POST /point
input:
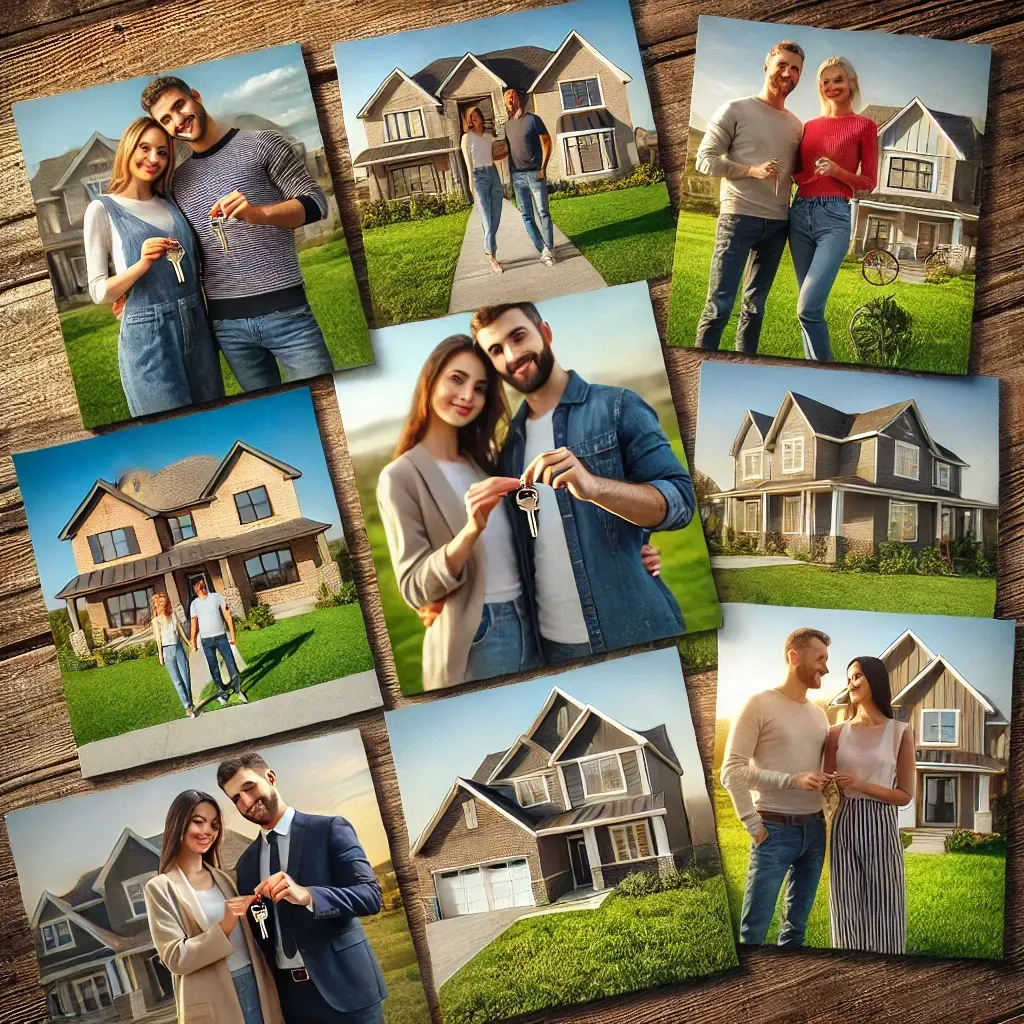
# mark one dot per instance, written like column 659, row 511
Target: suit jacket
column 324, row 855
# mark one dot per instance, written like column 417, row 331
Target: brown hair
column 486, row 315
column 800, row 638
column 159, row 595
column 789, row 47
column 468, row 113
column 121, row 175
column 179, row 814
column 158, row 87
column 227, row 770
column 479, row 439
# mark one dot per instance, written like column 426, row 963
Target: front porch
column 909, row 232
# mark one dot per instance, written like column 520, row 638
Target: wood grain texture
column 49, row 46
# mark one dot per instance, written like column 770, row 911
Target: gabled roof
column 99, row 488
column 290, row 472
column 101, row 878
column 640, row 739
column 880, row 113
column 487, row 765
column 48, row 173
column 536, row 758
column 554, row 694
column 111, row 144
column 364, row 110
column 760, row 421
column 458, row 64
column 112, row 941
column 515, row 66
column 960, row 131
column 575, row 36
column 84, row 890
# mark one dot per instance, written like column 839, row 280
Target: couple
column 496, row 599
column 780, row 755
column 315, row 965
column 757, row 147
column 527, row 145
column 183, row 291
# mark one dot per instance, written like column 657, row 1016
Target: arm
column 545, row 150
column 736, row 775
column 155, row 629
column 225, row 613
column 712, row 152
column 464, row 146
column 831, row 746
column 355, row 892
column 865, row 180
column 181, row 954
column 195, row 632
column 98, row 242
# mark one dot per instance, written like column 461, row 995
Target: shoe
column 190, row 712
column 222, row 699
column 547, row 257
column 242, row 699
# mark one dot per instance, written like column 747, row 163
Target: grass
column 942, row 313
column 301, row 651
column 576, row 956
column 90, row 333
column 388, row 933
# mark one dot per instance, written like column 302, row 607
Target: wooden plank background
column 49, row 46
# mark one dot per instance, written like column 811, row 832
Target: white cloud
column 263, row 87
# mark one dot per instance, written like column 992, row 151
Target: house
column 235, row 521
column 961, row 738
column 578, row 801
column 413, row 123
column 97, row 961
column 832, row 482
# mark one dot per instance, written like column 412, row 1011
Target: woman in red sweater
column 838, row 157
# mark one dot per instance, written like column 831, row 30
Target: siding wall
column 915, row 135
column 110, row 513
column 944, row 690
column 857, row 458
column 795, row 426
column 85, row 942
column 664, row 780
column 546, row 734
column 826, row 458
column 905, row 429
column 553, row 852
column 399, row 95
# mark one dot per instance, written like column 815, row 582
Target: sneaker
column 547, row 257
column 190, row 712
column 242, row 699
column 222, row 699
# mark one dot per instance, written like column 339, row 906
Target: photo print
column 831, row 196
column 140, row 899
column 505, row 158
column 850, row 490
column 192, row 235
column 618, row 558
column 861, row 779
column 563, row 839
column 196, row 576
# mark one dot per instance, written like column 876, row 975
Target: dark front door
column 580, row 862
column 940, row 800
column 926, row 234
column 192, row 578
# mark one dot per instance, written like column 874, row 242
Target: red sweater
column 851, row 141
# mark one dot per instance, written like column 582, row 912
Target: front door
column 947, row 523
column 926, row 235
column 581, row 875
column 940, row 800
column 192, row 578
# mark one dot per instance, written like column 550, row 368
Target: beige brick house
column 413, row 123
column 234, row 521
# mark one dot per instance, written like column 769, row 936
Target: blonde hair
column 848, row 69
column 467, row 118
column 121, row 176
column 162, row 598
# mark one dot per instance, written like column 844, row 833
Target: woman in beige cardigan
column 197, row 920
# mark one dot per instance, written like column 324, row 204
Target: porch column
column 979, row 527
column 764, row 512
column 725, row 515
column 172, row 593
column 594, row 857
column 77, row 638
column 836, row 527
column 854, row 210
column 983, row 815
column 231, row 593
column 958, row 231
column 661, row 843
column 72, row 613
column 938, row 521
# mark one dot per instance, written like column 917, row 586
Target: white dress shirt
column 283, row 829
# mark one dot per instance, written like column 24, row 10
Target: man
column 774, row 749
column 214, row 627
column 752, row 145
column 254, row 288
column 529, row 150
column 313, row 875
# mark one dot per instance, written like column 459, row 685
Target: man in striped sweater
column 254, row 289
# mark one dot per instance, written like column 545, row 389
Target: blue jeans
column 504, row 642
column 248, row 995
column 176, row 663
column 747, row 248
column 555, row 652
column 819, row 239
column 213, row 644
column 796, row 850
column 254, row 346
column 489, row 197
column 531, row 191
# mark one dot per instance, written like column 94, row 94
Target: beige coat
column 421, row 513
column 195, row 951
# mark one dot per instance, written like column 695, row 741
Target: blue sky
column 892, row 69
column 606, row 24
column 325, row 775
column 750, row 648
column 271, row 83
column 962, row 413
column 54, row 481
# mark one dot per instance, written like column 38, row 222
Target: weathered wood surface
column 49, row 46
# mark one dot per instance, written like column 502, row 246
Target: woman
column 872, row 756
column 838, row 157
column 196, row 918
column 480, row 149
column 172, row 646
column 165, row 352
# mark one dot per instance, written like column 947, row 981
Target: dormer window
column 603, row 775
column 252, row 505
column 907, row 461
column 57, row 935
column 943, row 475
column 940, row 727
column 469, row 813
column 793, row 455
column 562, row 722
column 584, row 92
column 532, row 791
column 111, row 544
column 135, row 891
column 752, row 461
column 182, row 527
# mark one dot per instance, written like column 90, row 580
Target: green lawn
column 315, row 647
column 815, row 586
column 389, row 937
column 90, row 333
column 577, row 956
column 942, row 312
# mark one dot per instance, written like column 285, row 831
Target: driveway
column 455, row 942
column 751, row 561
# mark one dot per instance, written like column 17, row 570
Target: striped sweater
column 850, row 141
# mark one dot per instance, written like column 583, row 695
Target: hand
column 499, row 150
column 154, row 249
column 651, row 557
column 824, row 167
column 760, row 835
column 483, row 498
column 810, row 782
column 540, row 174
column 235, row 206
column 561, row 468
column 283, row 887
column 238, row 905
column 769, row 169
column 118, row 307
column 429, row 612
column 847, row 783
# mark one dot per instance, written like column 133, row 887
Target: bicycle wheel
column 879, row 267
column 936, row 264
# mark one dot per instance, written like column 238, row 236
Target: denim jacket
column 616, row 435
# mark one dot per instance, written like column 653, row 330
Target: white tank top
column 212, row 902
column 870, row 753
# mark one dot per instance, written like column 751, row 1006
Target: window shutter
column 95, row 549
column 642, row 840
column 133, row 543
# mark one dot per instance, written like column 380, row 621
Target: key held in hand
column 528, row 500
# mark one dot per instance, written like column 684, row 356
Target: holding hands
column 484, row 497
column 234, row 909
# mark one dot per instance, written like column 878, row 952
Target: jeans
column 798, row 850
column 748, row 248
column 504, row 642
column 248, row 995
column 555, row 653
column 819, row 239
column 489, row 197
column 213, row 644
column 254, row 346
column 176, row 663
column 530, row 191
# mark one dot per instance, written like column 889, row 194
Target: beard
column 264, row 809
column 809, row 677
column 201, row 121
column 543, row 363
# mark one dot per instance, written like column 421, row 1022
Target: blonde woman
column 480, row 149
column 172, row 647
column 838, row 157
column 165, row 352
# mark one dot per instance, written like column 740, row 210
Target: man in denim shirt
column 607, row 477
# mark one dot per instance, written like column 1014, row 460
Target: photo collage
column 510, row 518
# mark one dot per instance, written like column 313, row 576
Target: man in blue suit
column 314, row 877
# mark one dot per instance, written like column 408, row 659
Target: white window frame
column 469, row 814
column 604, row 170
column 140, row 881
column 395, row 113
column 750, row 453
column 917, row 520
column 794, row 443
column 948, row 485
column 896, row 460
column 799, row 499
column 757, row 518
column 70, row 944
column 92, row 179
column 607, row 792
column 79, row 983
column 939, row 742
column 531, row 778
column 583, row 78
column 890, row 232
column 630, row 828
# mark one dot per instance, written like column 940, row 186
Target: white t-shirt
column 212, row 902
column 558, row 601
column 208, row 611
column 480, row 149
column 503, row 582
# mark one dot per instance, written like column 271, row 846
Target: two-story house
column 414, row 123
column 235, row 522
column 833, row 482
column 578, row 801
column 961, row 739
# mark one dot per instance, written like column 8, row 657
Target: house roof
column 83, row 891
column 397, row 73
column 880, row 113
column 658, row 738
column 49, row 172
column 943, row 662
column 290, row 472
column 963, row 759
column 593, row 814
column 574, row 36
column 823, row 419
column 929, row 204
column 555, row 693
column 402, row 150
column 961, row 131
column 641, row 739
column 536, row 759
column 487, row 765
column 760, row 421
column 115, row 942
column 115, row 853
column 516, row 66
column 70, row 169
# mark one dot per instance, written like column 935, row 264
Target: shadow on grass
column 648, row 223
column 260, row 667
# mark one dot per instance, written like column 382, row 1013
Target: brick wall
column 110, row 513
column 399, row 95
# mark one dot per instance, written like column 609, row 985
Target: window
column 589, row 152
column 253, row 505
column 469, row 813
column 113, row 544
column 131, row 609
column 752, row 465
column 791, row 504
column 903, row 521
column 80, row 269
column 93, row 993
column 271, row 569
column 57, row 935
column 751, row 516
column 134, row 889
column 407, row 180
column 879, row 233
column 912, row 174
column 942, row 475
column 631, row 842
column 603, row 775
column 940, row 727
column 96, row 185
column 562, row 722
column 583, row 93
column 907, row 461
column 793, row 455
column 404, row 124
column 182, row 527
column 532, row 791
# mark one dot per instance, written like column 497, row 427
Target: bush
column 882, row 334
column 859, row 561
column 259, row 617
column 640, row 176
column 345, row 594
column 117, row 655
column 906, row 838
column 963, row 840
column 774, row 544
column 896, row 559
column 647, row 883
column 931, row 562
column 378, row 213
column 801, row 556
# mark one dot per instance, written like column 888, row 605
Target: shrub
column 906, row 838
column 882, row 334
column 328, row 598
column 259, row 617
column 117, row 655
column 647, row 883
column 640, row 176
column 896, row 559
column 859, row 561
column 1000, row 806
column 774, row 544
column 801, row 556
column 378, row 213
column 931, row 562
column 963, row 840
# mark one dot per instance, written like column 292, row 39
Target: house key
column 217, row 227
column 528, row 500
column 176, row 254
column 259, row 914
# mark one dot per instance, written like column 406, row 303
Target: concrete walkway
column 525, row 276
column 751, row 561
column 927, row 841
column 455, row 941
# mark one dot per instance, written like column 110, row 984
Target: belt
column 790, row 819
column 821, row 200
column 295, row 974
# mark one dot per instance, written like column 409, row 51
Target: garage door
column 509, row 884
column 479, row 889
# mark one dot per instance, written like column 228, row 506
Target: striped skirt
column 867, row 890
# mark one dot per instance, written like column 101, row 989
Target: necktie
column 287, row 940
